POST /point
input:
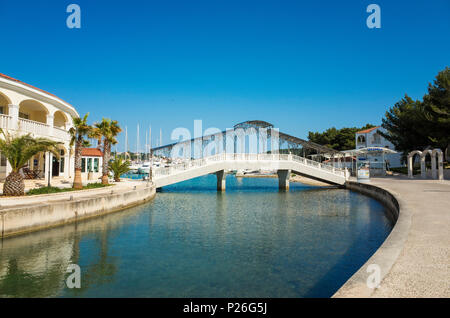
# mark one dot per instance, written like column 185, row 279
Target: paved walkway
column 422, row 268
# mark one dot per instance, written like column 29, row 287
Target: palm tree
column 79, row 131
column 119, row 167
column 106, row 130
column 18, row 150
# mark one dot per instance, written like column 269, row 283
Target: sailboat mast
column 150, row 141
column 126, row 142
column 137, row 144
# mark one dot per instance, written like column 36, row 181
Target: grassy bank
column 404, row 170
column 49, row 190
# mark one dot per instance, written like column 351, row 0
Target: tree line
column 410, row 124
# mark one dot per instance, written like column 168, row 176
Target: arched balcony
column 361, row 141
column 4, row 102
column 4, row 111
column 60, row 124
column 33, row 117
column 20, row 113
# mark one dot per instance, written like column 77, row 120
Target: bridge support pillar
column 221, row 180
column 283, row 179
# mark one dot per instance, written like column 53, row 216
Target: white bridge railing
column 196, row 163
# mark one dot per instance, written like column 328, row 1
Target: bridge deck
column 223, row 162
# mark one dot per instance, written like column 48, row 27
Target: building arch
column 4, row 102
column 423, row 158
column 33, row 110
column 361, row 139
column 410, row 161
column 436, row 156
column 60, row 119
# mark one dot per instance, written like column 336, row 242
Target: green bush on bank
column 50, row 190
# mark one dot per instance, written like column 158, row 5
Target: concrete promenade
column 415, row 258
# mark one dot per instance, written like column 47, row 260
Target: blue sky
column 301, row 65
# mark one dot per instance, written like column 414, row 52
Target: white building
column 91, row 164
column 26, row 109
column 371, row 138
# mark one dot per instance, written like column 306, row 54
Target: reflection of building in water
column 40, row 268
column 35, row 264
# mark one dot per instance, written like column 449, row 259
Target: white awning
column 371, row 150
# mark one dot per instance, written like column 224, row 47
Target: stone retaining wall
column 385, row 197
column 31, row 217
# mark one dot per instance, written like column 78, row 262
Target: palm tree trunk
column 106, row 155
column 14, row 184
column 77, row 181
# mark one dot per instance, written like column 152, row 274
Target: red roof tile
column 367, row 130
column 91, row 152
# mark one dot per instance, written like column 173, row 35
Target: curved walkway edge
column 43, row 211
column 414, row 259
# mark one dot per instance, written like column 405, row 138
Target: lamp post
column 150, row 174
column 49, row 169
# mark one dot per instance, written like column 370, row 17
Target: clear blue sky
column 301, row 65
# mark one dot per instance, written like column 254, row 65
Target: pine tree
column 437, row 109
column 406, row 125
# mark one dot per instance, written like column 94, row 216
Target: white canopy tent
column 373, row 151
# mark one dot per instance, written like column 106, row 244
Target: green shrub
column 50, row 190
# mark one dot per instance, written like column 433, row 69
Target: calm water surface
column 252, row 241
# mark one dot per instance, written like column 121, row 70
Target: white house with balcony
column 371, row 138
column 26, row 109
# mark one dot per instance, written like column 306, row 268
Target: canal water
column 190, row 241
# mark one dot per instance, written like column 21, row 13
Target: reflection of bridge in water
column 253, row 145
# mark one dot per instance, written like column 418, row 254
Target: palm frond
column 18, row 149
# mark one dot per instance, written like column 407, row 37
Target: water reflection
column 252, row 241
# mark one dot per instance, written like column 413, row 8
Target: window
column 24, row 116
column 96, row 164
column 2, row 110
column 83, row 164
column 89, row 168
column 2, row 160
column 361, row 139
column 61, row 161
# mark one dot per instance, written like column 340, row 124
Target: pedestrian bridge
column 219, row 164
